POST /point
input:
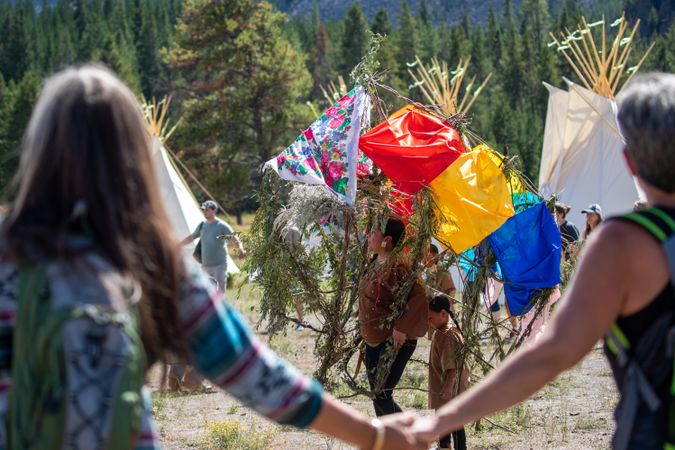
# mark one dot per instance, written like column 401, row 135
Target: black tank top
column 634, row 327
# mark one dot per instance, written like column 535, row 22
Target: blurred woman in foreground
column 87, row 198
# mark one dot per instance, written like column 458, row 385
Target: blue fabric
column 470, row 260
column 466, row 262
column 524, row 200
column 528, row 249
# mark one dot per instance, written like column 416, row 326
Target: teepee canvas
column 582, row 159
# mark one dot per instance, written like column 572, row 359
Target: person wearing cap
column 624, row 282
column 593, row 218
column 444, row 367
column 569, row 233
column 214, row 235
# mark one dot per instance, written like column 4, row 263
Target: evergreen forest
column 245, row 78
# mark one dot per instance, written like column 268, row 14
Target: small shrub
column 229, row 435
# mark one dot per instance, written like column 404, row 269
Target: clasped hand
column 405, row 431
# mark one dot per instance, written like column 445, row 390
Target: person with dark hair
column 593, row 219
column 624, row 290
column 445, row 383
column 569, row 233
column 389, row 325
column 87, row 245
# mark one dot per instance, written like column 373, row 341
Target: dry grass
column 572, row 412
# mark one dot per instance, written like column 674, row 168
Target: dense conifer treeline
column 241, row 73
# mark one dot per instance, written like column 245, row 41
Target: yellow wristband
column 379, row 436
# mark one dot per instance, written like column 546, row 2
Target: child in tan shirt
column 444, row 383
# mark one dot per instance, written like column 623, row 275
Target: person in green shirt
column 214, row 235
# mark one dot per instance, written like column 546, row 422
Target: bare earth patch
column 573, row 412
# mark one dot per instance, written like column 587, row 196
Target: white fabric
column 582, row 159
column 360, row 117
column 181, row 206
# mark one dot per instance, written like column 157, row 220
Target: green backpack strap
column 47, row 383
column 662, row 227
column 32, row 403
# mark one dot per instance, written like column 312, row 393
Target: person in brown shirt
column 438, row 279
column 444, row 382
column 389, row 329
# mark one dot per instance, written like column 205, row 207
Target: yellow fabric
column 473, row 199
column 515, row 185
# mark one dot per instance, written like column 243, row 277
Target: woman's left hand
column 398, row 337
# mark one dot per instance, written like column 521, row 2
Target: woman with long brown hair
column 87, row 212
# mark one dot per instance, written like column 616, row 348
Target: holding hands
column 425, row 429
column 396, row 431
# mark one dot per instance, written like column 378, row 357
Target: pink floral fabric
column 327, row 152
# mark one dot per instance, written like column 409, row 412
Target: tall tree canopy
column 241, row 83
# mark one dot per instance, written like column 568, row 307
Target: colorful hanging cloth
column 327, row 152
column 473, row 200
column 527, row 248
column 412, row 149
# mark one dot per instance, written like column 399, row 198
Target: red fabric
column 401, row 205
column 412, row 149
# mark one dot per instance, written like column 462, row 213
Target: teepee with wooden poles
column 582, row 161
column 600, row 65
column 179, row 202
column 444, row 88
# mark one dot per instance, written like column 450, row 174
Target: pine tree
column 243, row 85
column 480, row 63
column 15, row 60
column 535, row 16
column 429, row 40
column 570, row 16
column 321, row 66
column 316, row 17
column 20, row 97
column 387, row 53
column 408, row 40
column 662, row 57
column 147, row 48
column 494, row 38
column 511, row 66
column 7, row 99
column 381, row 24
column 355, row 40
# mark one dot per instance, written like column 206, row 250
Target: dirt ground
column 573, row 412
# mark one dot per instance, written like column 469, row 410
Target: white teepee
column 582, row 160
